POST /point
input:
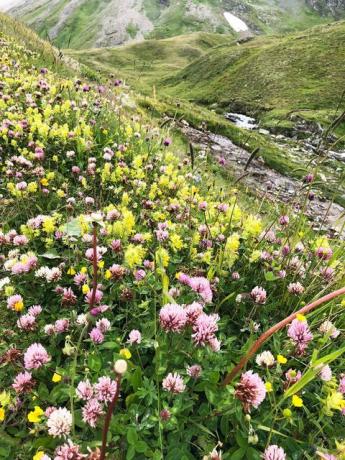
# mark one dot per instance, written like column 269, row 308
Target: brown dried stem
column 266, row 335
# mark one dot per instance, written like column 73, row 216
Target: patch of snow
column 242, row 121
column 236, row 23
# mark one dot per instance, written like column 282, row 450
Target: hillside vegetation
column 267, row 76
column 90, row 23
column 133, row 283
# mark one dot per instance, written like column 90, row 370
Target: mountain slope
column 267, row 76
column 90, row 23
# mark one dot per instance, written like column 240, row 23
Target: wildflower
column 59, row 422
column 85, row 390
column 103, row 325
column 341, row 387
column 56, row 378
column 125, row 353
column 204, row 329
column 325, row 373
column 15, row 303
column 35, row 416
column 324, row 253
column 258, row 294
column 35, row 356
column 173, row 383
column 269, row 387
column 334, row 401
column 297, row 401
column 68, row 451
column 281, row 359
column 296, row 288
column 172, row 318
column 27, row 322
column 120, row 366
column 105, row 389
column 134, row 337
column 300, row 334
column 194, row 371
column 40, row 455
column 91, row 412
column 284, row 220
column 23, row 382
column 251, row 390
column 2, row 414
column 165, row 415
column 274, row 452
column 265, row 359
column 193, row 311
column 202, row 287
column 292, row 377
column 327, row 327
column 96, row 335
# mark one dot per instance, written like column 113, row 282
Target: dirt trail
column 263, row 180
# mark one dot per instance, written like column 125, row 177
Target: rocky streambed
column 262, row 180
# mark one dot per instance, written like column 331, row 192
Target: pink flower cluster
column 173, row 383
column 96, row 397
column 300, row 334
column 251, row 390
column 35, row 356
column 199, row 285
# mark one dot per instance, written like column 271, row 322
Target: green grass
column 269, row 77
column 146, row 63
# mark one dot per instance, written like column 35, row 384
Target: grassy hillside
column 269, row 76
column 304, row 71
column 90, row 23
column 146, row 63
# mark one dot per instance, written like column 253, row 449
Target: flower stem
column 108, row 418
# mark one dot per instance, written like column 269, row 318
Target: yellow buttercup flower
column 35, row 415
column 101, row 264
column 85, row 289
column 39, row 455
column 125, row 353
column 56, row 378
column 281, row 359
column 297, row 401
column 300, row 317
column 71, row 271
column 83, row 270
column 2, row 414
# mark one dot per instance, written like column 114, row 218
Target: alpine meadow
column 172, row 229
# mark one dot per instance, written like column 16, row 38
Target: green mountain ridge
column 275, row 75
column 99, row 23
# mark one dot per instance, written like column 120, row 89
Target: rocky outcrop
column 334, row 7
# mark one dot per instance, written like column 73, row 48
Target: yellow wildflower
column 300, row 317
column 85, row 289
column 39, row 455
column 162, row 257
column 71, row 271
column 125, row 353
column 35, row 415
column 281, row 359
column 2, row 414
column 269, row 387
column 56, row 378
column 297, row 401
